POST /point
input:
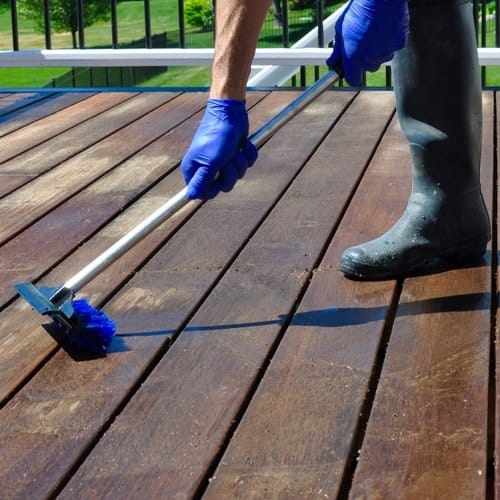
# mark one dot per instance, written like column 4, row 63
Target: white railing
column 152, row 57
column 489, row 56
column 271, row 67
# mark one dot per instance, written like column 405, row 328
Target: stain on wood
column 245, row 364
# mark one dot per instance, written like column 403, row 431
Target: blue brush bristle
column 97, row 330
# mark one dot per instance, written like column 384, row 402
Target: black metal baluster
column 14, row 24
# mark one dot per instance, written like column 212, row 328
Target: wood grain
column 135, row 124
column 21, row 338
column 219, row 355
column 56, row 123
column 128, row 365
column 295, row 438
column 22, row 112
column 245, row 365
column 427, row 433
column 22, row 347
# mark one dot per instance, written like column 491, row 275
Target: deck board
column 244, row 311
column 100, row 195
column 33, row 108
column 46, row 192
column 56, row 122
column 246, row 365
column 431, row 405
column 311, row 381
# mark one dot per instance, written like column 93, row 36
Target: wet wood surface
column 245, row 364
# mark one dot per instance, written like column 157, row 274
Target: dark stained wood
column 125, row 374
column 18, row 169
column 68, row 226
column 46, row 192
column 57, row 122
column 427, row 434
column 227, row 342
column 295, row 439
column 245, row 365
column 12, row 101
column 200, row 234
column 24, row 112
column 65, row 227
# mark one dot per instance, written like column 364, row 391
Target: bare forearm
column 238, row 23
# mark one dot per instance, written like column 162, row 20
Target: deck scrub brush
column 87, row 327
column 98, row 328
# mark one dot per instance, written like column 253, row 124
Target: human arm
column 238, row 23
column 220, row 152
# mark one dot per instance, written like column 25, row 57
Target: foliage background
column 164, row 19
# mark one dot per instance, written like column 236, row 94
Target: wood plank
column 295, row 439
column 26, row 338
column 22, row 347
column 13, row 101
column 282, row 408
column 65, row 228
column 18, row 114
column 208, row 372
column 54, row 152
column 12, row 172
column 9, row 182
column 427, row 433
column 45, row 128
column 27, row 204
column 52, row 238
column 61, row 230
column 121, row 367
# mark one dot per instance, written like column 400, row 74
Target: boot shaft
column 438, row 94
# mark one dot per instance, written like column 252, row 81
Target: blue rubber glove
column 366, row 35
column 220, row 152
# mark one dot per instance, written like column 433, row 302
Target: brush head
column 95, row 329
column 87, row 328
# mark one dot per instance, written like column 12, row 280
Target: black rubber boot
column 438, row 100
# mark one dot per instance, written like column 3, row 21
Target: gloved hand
column 367, row 34
column 220, row 152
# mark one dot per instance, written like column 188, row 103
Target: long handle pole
column 178, row 201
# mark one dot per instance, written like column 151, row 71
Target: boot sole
column 466, row 252
column 365, row 272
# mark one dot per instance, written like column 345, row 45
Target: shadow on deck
column 245, row 364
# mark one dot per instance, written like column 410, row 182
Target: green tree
column 64, row 15
column 199, row 14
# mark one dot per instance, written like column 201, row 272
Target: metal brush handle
column 178, row 201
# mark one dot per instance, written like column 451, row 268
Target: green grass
column 130, row 15
column 130, row 27
column 180, row 77
column 28, row 77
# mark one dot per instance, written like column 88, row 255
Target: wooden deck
column 246, row 365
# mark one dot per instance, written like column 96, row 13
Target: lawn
column 131, row 24
column 130, row 27
column 164, row 19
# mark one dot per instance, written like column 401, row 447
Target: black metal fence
column 287, row 22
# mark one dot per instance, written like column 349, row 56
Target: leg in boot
column 438, row 100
